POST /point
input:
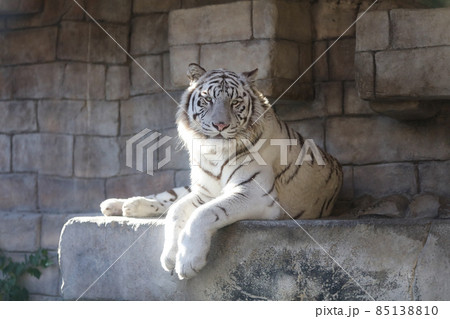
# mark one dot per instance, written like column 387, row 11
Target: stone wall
column 70, row 98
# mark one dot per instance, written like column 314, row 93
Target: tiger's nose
column 220, row 126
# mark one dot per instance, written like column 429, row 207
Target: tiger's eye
column 208, row 98
column 234, row 102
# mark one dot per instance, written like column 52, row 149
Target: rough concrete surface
column 260, row 260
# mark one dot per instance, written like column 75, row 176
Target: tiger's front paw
column 112, row 207
column 191, row 256
column 168, row 259
column 142, row 207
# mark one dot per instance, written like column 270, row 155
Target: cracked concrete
column 262, row 260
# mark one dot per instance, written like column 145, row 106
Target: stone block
column 79, row 117
column 277, row 19
column 156, row 111
column 49, row 15
column 38, row 81
column 180, row 58
column 347, row 190
column 6, row 83
column 139, row 185
column 182, row 178
column 419, row 73
column 384, row 179
column 17, row 116
column 313, row 129
column 141, row 83
column 199, row 3
column 381, row 139
column 285, row 63
column 214, row 23
column 372, row 31
column 19, row 231
column 332, row 18
column 380, row 255
column 5, row 154
column 70, row 194
column 393, row 206
column 74, row 12
column 85, row 41
column 179, row 158
column 17, row 192
column 432, row 265
column 365, row 75
column 96, row 156
column 110, row 10
column 424, row 206
column 149, row 34
column 124, row 169
column 353, row 104
column 407, row 110
column 52, row 225
column 15, row 7
column 431, row 28
column 150, row 6
column 28, row 46
column 434, row 177
column 342, row 60
column 328, row 101
column 117, row 82
column 43, row 153
column 84, row 81
column 320, row 68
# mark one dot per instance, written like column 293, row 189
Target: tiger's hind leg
column 149, row 206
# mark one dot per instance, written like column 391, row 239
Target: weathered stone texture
column 347, row 190
column 320, row 68
column 19, row 231
column 17, row 192
column 28, row 46
column 435, row 177
column 424, row 206
column 180, row 58
column 353, row 104
column 85, row 41
column 43, row 153
column 237, row 260
column 5, row 153
column 14, row 7
column 365, row 74
column 6, row 83
column 215, row 23
column 50, row 14
column 51, row 229
column 332, row 18
column 420, row 28
column 154, row 111
column 423, row 73
column 383, row 180
column 38, row 81
column 150, row 6
column 84, row 81
column 149, row 34
column 17, row 116
column 96, row 156
column 381, row 139
column 275, row 19
column 70, row 194
column 285, row 63
column 372, row 31
column 79, row 117
column 111, row 10
column 141, row 83
column 117, row 83
column 139, row 185
column 407, row 110
column 328, row 101
column 341, row 59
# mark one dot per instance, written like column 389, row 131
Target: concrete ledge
column 261, row 260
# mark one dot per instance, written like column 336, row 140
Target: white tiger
column 221, row 106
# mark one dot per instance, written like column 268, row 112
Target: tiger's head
column 221, row 103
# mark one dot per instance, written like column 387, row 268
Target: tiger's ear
column 251, row 75
column 195, row 71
